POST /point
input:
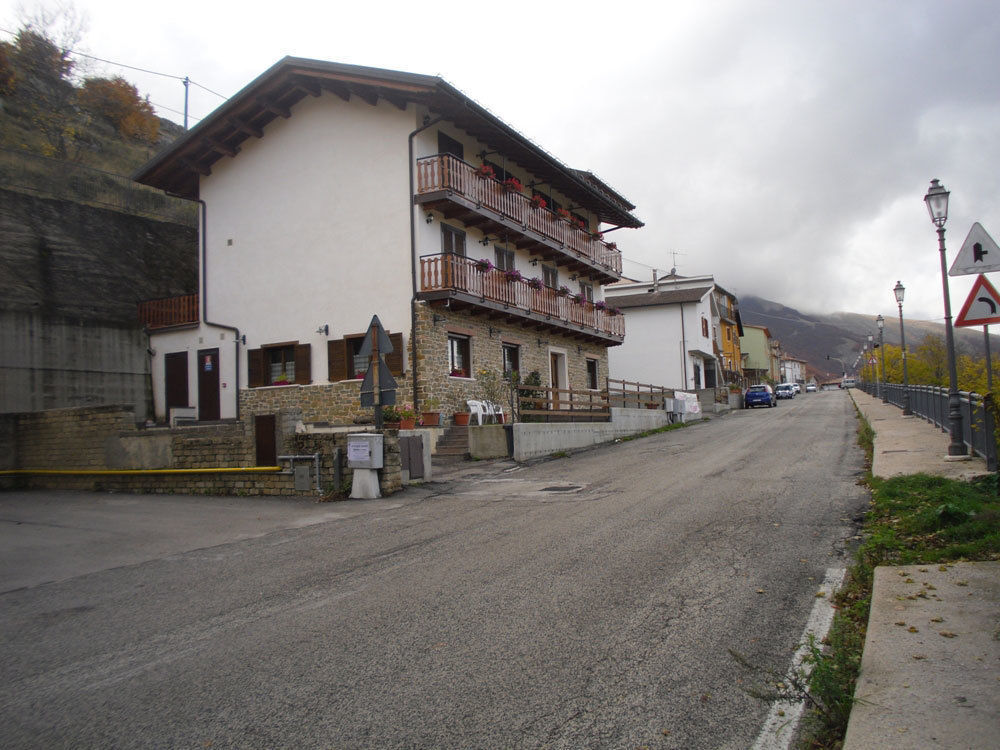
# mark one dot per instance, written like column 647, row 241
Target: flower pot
column 390, row 426
column 431, row 418
column 407, row 424
column 461, row 418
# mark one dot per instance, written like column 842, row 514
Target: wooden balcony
column 453, row 187
column 169, row 311
column 457, row 279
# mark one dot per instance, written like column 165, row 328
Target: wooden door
column 264, row 434
column 208, row 384
column 175, row 367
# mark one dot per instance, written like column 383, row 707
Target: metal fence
column 66, row 180
column 931, row 403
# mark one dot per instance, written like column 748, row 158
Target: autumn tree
column 118, row 101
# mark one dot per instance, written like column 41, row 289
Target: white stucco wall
column 309, row 226
column 655, row 349
column 192, row 340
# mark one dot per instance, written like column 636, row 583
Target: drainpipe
column 413, row 260
column 204, row 298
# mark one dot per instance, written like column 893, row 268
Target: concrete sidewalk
column 930, row 672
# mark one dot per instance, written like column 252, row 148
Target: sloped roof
column 275, row 92
column 653, row 299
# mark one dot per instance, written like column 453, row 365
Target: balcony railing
column 169, row 311
column 446, row 172
column 447, row 272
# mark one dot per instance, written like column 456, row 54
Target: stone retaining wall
column 107, row 438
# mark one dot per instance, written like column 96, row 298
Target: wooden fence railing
column 626, row 393
column 539, row 403
column 448, row 271
column 169, row 311
column 446, row 172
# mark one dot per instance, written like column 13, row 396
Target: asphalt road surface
column 588, row 601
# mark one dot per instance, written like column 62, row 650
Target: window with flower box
column 279, row 364
column 504, row 258
column 459, row 359
column 345, row 363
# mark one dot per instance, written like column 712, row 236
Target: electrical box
column 364, row 450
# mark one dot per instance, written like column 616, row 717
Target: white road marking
column 783, row 718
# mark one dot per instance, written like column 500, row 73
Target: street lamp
column 899, row 290
column 880, row 322
column 937, row 206
column 869, row 356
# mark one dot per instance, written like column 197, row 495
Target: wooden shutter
column 398, row 356
column 256, row 368
column 336, row 358
column 303, row 364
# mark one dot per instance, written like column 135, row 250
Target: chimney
column 656, row 282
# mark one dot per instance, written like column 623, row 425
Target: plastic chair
column 477, row 409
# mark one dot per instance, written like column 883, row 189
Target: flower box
column 535, row 283
column 513, row 275
column 483, row 265
column 513, row 185
column 485, row 171
column 538, row 201
column 462, row 418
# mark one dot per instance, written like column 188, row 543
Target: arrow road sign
column 979, row 254
column 982, row 308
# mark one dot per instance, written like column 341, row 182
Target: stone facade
column 339, row 403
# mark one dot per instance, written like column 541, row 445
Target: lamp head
column 880, row 321
column 937, row 203
column 899, row 290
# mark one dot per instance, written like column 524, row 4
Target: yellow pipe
column 94, row 472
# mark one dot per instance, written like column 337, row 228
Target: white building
column 331, row 193
column 793, row 370
column 677, row 333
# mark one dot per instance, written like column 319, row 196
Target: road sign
column 871, row 360
column 979, row 254
column 982, row 308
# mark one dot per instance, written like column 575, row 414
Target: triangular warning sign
column 982, row 308
column 979, row 254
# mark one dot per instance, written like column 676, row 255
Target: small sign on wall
column 208, row 363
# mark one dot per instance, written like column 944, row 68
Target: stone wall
column 333, row 403
column 106, row 439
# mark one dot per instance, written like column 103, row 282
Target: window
column 587, row 291
column 499, row 172
column 704, row 327
column 279, row 364
column 504, row 258
column 448, row 145
column 592, row 374
column 511, row 360
column 729, row 333
column 344, row 362
column 458, row 356
column 452, row 240
column 550, row 275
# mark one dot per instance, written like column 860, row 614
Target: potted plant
column 459, row 373
column 431, row 415
column 562, row 213
column 513, row 185
column 512, row 274
column 563, row 291
column 390, row 418
column 485, row 171
column 407, row 417
column 600, row 305
column 611, row 245
column 282, row 379
column 535, row 283
column 483, row 265
column 538, row 201
column 461, row 418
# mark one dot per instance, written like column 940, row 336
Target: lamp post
column 937, row 206
column 869, row 356
column 880, row 322
column 899, row 290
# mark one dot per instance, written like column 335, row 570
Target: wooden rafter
column 335, row 87
column 217, row 145
column 272, row 106
column 367, row 95
column 194, row 166
column 309, row 86
column 245, row 127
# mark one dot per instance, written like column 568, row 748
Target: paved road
column 580, row 602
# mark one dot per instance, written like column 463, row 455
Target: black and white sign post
column 979, row 254
column 378, row 389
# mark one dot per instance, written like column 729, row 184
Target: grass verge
column 912, row 519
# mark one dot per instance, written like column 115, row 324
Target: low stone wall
column 106, row 439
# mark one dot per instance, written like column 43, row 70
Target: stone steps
column 454, row 443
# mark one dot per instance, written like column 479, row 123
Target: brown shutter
column 303, row 364
column 255, row 368
column 396, row 359
column 336, row 358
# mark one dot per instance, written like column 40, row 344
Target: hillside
column 812, row 337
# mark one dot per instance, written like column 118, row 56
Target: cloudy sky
column 784, row 147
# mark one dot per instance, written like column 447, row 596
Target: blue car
column 759, row 395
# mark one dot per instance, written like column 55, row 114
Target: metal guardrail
column 931, row 403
